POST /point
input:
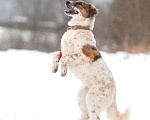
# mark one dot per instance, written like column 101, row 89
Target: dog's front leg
column 64, row 65
column 56, row 58
column 63, row 69
column 66, row 60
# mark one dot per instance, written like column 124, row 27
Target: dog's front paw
column 63, row 74
column 63, row 71
column 54, row 69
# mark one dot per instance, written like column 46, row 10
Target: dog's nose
column 68, row 2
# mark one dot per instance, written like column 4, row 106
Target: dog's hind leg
column 98, row 100
column 56, row 58
column 82, row 103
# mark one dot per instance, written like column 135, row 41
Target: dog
column 80, row 54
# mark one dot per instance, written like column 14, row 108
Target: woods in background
column 122, row 25
column 130, row 26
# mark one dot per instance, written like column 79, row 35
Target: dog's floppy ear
column 93, row 11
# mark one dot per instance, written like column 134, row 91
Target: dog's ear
column 93, row 11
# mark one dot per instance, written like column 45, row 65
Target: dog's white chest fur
column 73, row 40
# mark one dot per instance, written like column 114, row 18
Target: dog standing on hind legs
column 80, row 55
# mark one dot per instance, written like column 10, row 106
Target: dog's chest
column 73, row 40
column 70, row 42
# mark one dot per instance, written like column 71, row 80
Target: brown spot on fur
column 98, row 118
column 91, row 52
column 87, row 10
column 100, row 88
column 93, row 111
column 98, row 107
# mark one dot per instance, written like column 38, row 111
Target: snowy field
column 30, row 91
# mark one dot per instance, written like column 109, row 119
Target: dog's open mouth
column 71, row 11
column 70, row 8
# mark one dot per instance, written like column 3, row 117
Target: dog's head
column 81, row 8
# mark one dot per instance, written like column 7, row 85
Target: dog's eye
column 79, row 3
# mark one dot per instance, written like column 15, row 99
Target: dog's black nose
column 68, row 2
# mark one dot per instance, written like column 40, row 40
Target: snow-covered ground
column 29, row 91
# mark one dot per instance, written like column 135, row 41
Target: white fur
column 98, row 91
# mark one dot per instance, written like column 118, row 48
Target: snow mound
column 30, row 91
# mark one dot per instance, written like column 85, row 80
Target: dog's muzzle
column 70, row 8
column 70, row 4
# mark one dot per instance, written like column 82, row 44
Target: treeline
column 130, row 26
column 122, row 25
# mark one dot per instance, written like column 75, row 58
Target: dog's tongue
column 71, row 11
column 66, row 10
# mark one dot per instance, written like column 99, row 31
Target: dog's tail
column 114, row 114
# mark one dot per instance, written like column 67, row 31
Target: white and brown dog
column 80, row 55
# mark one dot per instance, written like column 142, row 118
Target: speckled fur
column 98, row 92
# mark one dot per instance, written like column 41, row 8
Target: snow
column 29, row 91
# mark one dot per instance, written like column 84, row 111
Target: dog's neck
column 75, row 21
